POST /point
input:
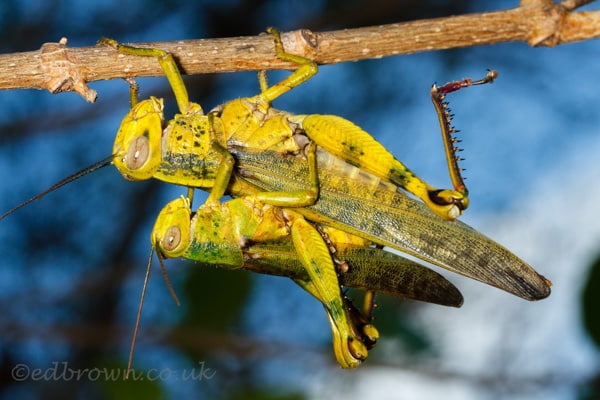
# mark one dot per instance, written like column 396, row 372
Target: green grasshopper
column 227, row 235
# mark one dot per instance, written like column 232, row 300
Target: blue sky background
column 73, row 264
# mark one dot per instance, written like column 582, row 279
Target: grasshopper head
column 137, row 150
column 171, row 233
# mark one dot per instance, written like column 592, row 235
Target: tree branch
column 537, row 22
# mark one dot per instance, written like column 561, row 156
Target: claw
column 357, row 349
column 353, row 337
column 371, row 334
column 448, row 204
column 349, row 352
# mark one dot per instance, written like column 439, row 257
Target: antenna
column 87, row 170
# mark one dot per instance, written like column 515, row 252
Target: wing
column 369, row 269
column 359, row 203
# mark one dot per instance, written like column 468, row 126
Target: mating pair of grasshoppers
column 315, row 197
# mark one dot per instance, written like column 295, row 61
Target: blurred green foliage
column 591, row 302
column 590, row 311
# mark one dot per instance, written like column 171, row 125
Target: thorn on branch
column 63, row 71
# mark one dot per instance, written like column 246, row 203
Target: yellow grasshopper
column 227, row 235
column 142, row 150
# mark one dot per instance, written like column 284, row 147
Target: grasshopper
column 253, row 123
column 218, row 233
column 227, row 235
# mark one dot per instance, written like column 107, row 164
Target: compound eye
column 172, row 238
column 137, row 153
